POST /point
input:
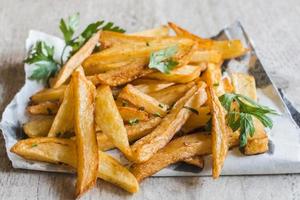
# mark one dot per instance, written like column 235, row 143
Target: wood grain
column 273, row 25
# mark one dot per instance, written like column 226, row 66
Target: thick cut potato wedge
column 44, row 108
column 64, row 119
column 58, row 150
column 228, row 87
column 134, row 133
column 76, row 60
column 130, row 113
column 38, row 127
column 182, row 74
column 147, row 146
column 213, row 78
column 228, row 48
column 140, row 99
column 220, row 133
column 177, row 150
column 171, row 94
column 148, row 85
column 155, row 32
column 121, row 53
column 244, row 84
column 197, row 120
column 195, row 160
column 200, row 56
column 50, row 94
column 110, row 120
column 122, row 75
column 84, row 124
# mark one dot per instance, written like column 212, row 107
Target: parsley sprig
column 42, row 56
column 240, row 117
column 162, row 59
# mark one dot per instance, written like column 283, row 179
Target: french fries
column 50, row 94
column 58, row 150
column 87, row 149
column 220, row 133
column 144, row 148
column 110, row 120
column 76, row 60
column 151, row 96
column 142, row 100
column 44, row 108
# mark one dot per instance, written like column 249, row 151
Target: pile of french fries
column 111, row 99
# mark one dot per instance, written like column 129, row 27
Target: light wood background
column 273, row 25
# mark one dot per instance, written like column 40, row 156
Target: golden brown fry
column 122, row 75
column 130, row 113
column 213, row 78
column 76, row 60
column 177, row 150
column 228, row 87
column 171, row 94
column 197, row 121
column 87, row 148
column 182, row 74
column 110, row 120
column 44, row 108
column 105, row 67
column 244, row 84
column 206, row 56
column 220, row 133
column 39, row 127
column 147, row 146
column 64, row 119
column 139, row 99
column 148, row 85
column 58, row 150
column 195, row 160
column 50, row 94
column 134, row 133
column 155, row 32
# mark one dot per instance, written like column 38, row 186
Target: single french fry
column 76, row 60
column 197, row 120
column 122, row 75
column 105, row 67
column 178, row 149
column 182, row 74
column 58, row 150
column 50, row 94
column 134, row 133
column 213, row 78
column 220, row 133
column 206, row 56
column 38, row 127
column 147, row 146
column 87, row 148
column 64, row 119
column 44, row 108
column 148, row 85
column 197, row 161
column 130, row 113
column 244, row 84
column 171, row 94
column 110, row 120
column 139, row 99
column 155, row 32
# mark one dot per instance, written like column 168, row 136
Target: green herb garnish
column 124, row 103
column 41, row 55
column 241, row 117
column 34, row 145
column 162, row 60
column 157, row 114
column 192, row 110
column 133, row 121
column 160, row 105
column 216, row 84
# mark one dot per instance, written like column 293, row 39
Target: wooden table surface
column 273, row 25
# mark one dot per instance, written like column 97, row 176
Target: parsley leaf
column 162, row 59
column 241, row 118
column 41, row 55
column 133, row 121
column 69, row 26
